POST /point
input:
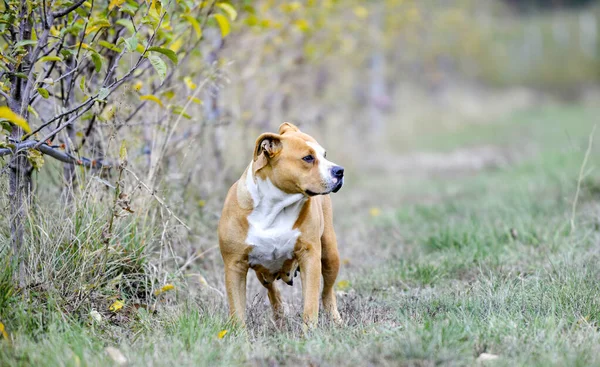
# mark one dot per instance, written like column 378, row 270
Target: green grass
column 491, row 265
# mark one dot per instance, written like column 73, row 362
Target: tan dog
column 277, row 220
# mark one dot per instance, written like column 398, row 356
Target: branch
column 52, row 152
column 66, row 11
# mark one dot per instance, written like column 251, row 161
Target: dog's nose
column 337, row 171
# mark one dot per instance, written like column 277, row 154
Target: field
column 462, row 245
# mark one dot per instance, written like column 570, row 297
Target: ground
column 463, row 244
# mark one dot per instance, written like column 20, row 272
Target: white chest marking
column 271, row 223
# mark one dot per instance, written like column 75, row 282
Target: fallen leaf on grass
column 116, row 355
column 375, row 212
column 222, row 334
column 3, row 331
column 342, row 285
column 116, row 306
column 486, row 357
column 165, row 288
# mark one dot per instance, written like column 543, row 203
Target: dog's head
column 295, row 163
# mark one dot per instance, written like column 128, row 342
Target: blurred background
column 407, row 95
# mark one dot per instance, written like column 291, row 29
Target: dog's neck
column 270, row 203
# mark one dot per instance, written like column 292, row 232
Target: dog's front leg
column 310, row 274
column 235, row 283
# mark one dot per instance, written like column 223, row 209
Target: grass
column 489, row 266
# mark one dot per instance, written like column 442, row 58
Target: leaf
column 3, row 331
column 342, row 285
column 103, row 93
column 156, row 6
column 116, row 306
column 36, row 158
column 44, row 93
column 113, row 3
column 223, row 24
column 131, row 43
column 25, row 43
column 222, row 334
column 97, row 59
column 153, row 98
column 229, row 9
column 175, row 46
column 165, row 51
column 123, row 152
column 375, row 212
column 159, row 65
column 165, row 288
column 138, row 86
column 9, row 115
column 178, row 110
column 96, row 315
column 116, row 355
column 128, row 24
column 195, row 100
column 50, row 58
column 194, row 24
column 190, row 84
column 82, row 84
column 109, row 45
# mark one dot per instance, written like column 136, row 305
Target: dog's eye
column 308, row 159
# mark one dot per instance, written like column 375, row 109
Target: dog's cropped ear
column 267, row 146
column 287, row 126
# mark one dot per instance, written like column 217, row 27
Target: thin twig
column 581, row 174
column 160, row 201
column 66, row 11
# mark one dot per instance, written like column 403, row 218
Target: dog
column 277, row 220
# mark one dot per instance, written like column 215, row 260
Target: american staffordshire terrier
column 277, row 220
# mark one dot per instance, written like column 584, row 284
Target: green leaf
column 50, row 58
column 127, row 24
column 165, row 51
column 223, row 24
column 44, row 93
column 178, row 110
column 159, row 65
column 229, row 9
column 82, row 83
column 25, row 43
column 131, row 43
column 97, row 59
column 103, row 93
column 194, row 24
column 109, row 45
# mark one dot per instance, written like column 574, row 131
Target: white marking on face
column 271, row 222
column 325, row 166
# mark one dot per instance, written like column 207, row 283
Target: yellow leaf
column 7, row 114
column 140, row 48
column 114, row 3
column 153, row 98
column 229, row 9
column 156, row 8
column 290, row 7
column 222, row 334
column 361, row 12
column 223, row 24
column 302, row 25
column 342, row 285
column 195, row 100
column 165, row 288
column 36, row 158
column 175, row 46
column 375, row 212
column 194, row 24
column 118, row 304
column 190, row 84
column 138, row 86
column 3, row 331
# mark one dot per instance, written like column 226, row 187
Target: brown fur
column 278, row 157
